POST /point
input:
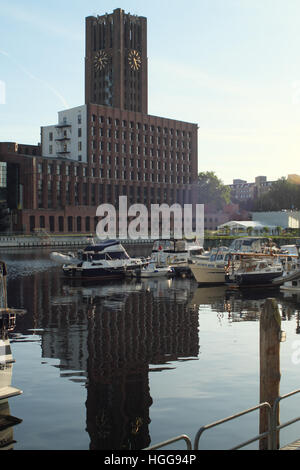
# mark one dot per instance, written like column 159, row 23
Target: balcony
column 61, row 126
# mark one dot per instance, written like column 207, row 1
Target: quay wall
column 60, row 241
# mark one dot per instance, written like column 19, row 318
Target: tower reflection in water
column 109, row 337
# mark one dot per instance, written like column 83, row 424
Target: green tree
column 211, row 190
column 282, row 195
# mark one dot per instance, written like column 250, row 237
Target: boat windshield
column 248, row 244
column 196, row 251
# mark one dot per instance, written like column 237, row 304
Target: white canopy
column 244, row 225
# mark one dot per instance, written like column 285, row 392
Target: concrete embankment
column 23, row 241
column 31, row 241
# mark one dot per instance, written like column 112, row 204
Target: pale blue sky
column 232, row 66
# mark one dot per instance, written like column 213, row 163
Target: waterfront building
column 286, row 219
column 108, row 147
column 241, row 190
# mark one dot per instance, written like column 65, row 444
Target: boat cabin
column 251, row 244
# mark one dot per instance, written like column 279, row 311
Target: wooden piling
column 270, row 328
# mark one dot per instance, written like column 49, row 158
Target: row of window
column 78, row 195
column 133, row 176
column 132, row 125
column 146, row 139
column 132, row 150
column 117, row 162
column 64, row 224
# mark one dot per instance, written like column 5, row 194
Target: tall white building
column 68, row 138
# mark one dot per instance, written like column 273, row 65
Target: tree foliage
column 282, row 195
column 211, row 190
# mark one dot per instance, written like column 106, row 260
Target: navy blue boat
column 253, row 270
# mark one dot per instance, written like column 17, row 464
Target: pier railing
column 270, row 433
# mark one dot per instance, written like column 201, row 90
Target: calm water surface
column 127, row 364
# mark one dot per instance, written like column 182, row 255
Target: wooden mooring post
column 270, row 337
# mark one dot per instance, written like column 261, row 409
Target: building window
column 32, row 223
column 78, row 224
column 42, row 221
column 49, row 194
column 87, row 224
column 51, row 223
column 70, row 224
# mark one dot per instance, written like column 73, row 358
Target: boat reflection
column 243, row 305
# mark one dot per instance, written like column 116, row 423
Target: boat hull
column 96, row 273
column 252, row 279
column 208, row 274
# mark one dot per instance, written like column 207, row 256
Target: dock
column 294, row 446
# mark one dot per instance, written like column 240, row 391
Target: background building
column 284, row 219
column 242, row 191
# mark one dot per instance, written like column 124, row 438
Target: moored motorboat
column 7, row 391
column 153, row 270
column 178, row 254
column 253, row 270
column 291, row 286
column 106, row 260
column 211, row 270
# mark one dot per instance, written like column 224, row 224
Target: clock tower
column 116, row 68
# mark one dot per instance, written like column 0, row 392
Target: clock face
column 100, row 60
column 134, row 60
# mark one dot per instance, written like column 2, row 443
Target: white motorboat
column 6, row 361
column 174, row 252
column 106, row 260
column 211, row 270
column 153, row 270
column 291, row 286
column 7, row 391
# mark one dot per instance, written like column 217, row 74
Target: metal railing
column 271, row 432
column 275, row 427
column 183, row 437
column 238, row 415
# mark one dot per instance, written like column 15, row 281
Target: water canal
column 127, row 364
